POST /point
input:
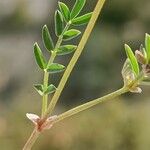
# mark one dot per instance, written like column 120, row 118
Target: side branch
column 92, row 103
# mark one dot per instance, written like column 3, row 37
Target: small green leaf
column 39, row 88
column 82, row 19
column 147, row 46
column 77, row 8
column 133, row 60
column 39, row 57
column 66, row 49
column 65, row 11
column 55, row 68
column 70, row 34
column 58, row 23
column 47, row 40
column 50, row 89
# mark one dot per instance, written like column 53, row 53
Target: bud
column 41, row 124
column 146, row 69
column 33, row 117
column 127, row 73
column 140, row 57
column 136, row 90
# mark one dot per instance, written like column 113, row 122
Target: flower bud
column 140, row 57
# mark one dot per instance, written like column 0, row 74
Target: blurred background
column 122, row 124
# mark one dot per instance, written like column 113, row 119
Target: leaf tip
column 147, row 35
column 35, row 44
column 126, row 45
column 45, row 26
column 59, row 3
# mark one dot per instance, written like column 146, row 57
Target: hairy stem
column 91, row 103
column 75, row 57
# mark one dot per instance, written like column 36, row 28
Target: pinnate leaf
column 82, row 19
column 47, row 40
column 66, row 49
column 133, row 60
column 39, row 57
column 65, row 11
column 77, row 8
column 58, row 23
column 55, row 68
column 70, row 34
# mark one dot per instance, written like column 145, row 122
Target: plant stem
column 45, row 84
column 105, row 98
column 67, row 73
column 75, row 57
column 35, row 134
column 46, row 74
column 92, row 103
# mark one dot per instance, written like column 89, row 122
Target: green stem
column 61, row 36
column 92, row 103
column 75, row 57
column 46, row 74
column 137, row 80
column 34, row 135
column 45, row 84
column 84, row 39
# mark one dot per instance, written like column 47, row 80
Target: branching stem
column 91, row 103
column 75, row 57
column 47, row 111
column 74, row 111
